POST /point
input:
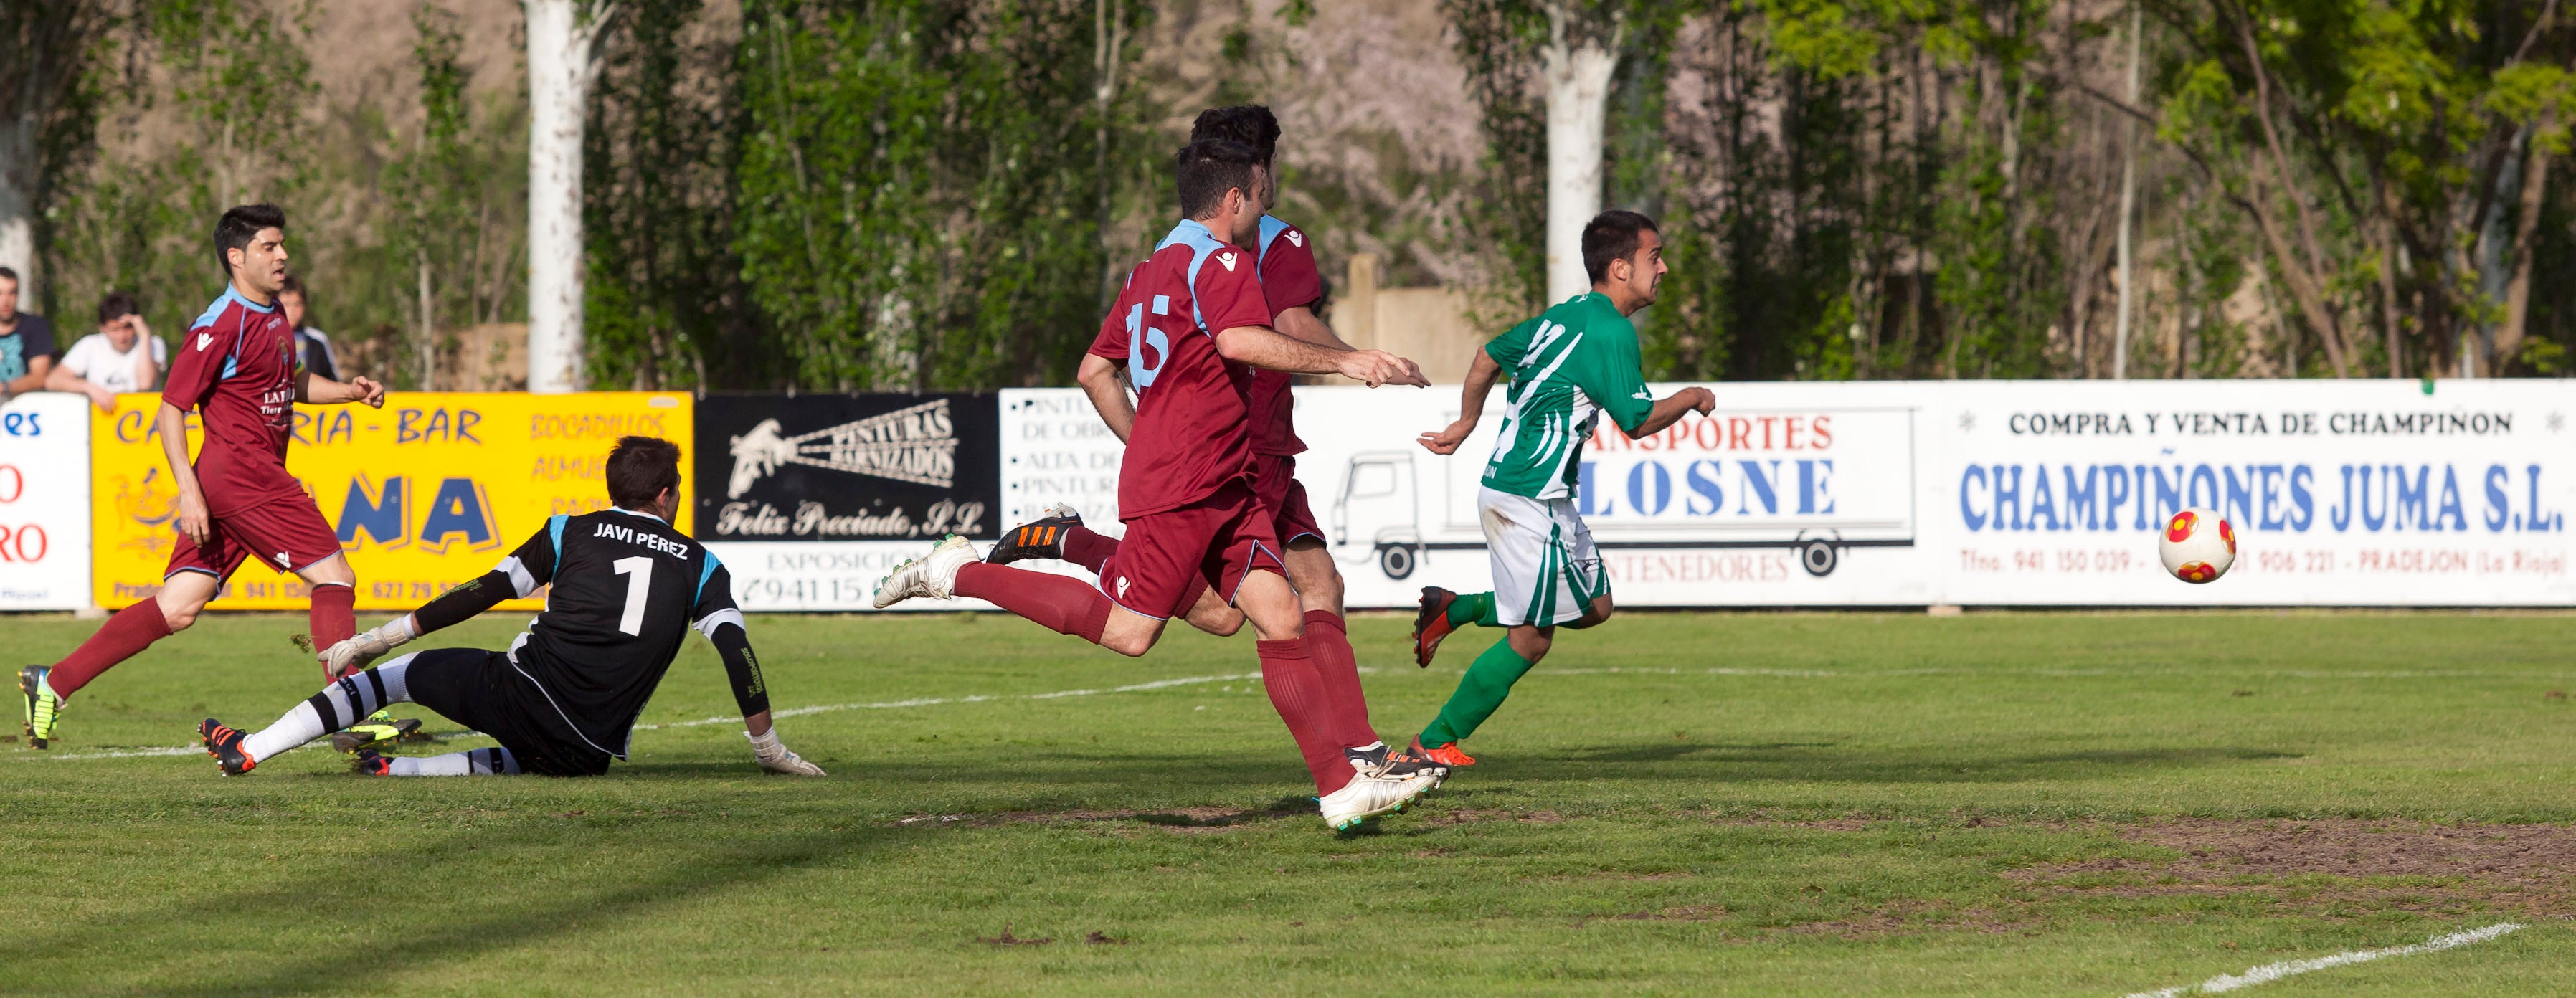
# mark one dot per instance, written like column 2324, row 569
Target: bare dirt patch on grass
column 2375, row 864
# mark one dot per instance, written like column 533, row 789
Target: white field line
column 2270, row 972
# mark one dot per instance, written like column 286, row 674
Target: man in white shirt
column 123, row 356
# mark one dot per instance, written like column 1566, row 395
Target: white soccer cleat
column 1367, row 797
column 932, row 576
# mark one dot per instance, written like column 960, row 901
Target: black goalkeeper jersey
column 627, row 588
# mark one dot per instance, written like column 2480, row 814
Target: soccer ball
column 2198, row 545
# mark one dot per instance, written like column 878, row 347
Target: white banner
column 44, row 502
column 1915, row 493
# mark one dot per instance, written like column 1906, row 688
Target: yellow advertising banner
column 425, row 493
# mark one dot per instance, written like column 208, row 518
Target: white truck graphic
column 1815, row 482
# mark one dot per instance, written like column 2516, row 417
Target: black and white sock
column 341, row 704
column 473, row 762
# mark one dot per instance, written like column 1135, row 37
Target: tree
column 921, row 185
column 2377, row 149
column 46, row 109
column 563, row 60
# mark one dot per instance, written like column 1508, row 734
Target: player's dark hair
column 1611, row 235
column 1251, row 124
column 295, row 286
column 117, row 305
column 1210, row 168
column 639, row 468
column 236, row 229
column 10, row 274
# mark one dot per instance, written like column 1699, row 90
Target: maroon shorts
column 1165, row 556
column 1274, row 479
column 288, row 535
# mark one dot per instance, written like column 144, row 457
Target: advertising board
column 812, row 498
column 44, row 502
column 424, row 492
column 1917, row 493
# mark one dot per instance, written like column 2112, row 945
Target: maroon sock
column 1340, row 668
column 1088, row 549
column 1297, row 693
column 131, row 630
column 1061, row 603
column 334, row 614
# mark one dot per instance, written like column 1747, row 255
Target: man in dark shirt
column 26, row 342
column 563, row 700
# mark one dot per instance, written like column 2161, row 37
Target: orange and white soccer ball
column 2198, row 545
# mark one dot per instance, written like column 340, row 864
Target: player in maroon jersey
column 1190, row 326
column 1292, row 285
column 237, row 368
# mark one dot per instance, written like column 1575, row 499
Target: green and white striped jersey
column 1575, row 360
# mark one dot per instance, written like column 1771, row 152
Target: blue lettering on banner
column 2370, row 498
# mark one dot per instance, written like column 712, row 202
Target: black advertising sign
column 848, row 467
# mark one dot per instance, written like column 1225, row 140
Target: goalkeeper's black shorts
column 480, row 690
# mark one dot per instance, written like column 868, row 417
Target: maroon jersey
column 1288, row 280
column 1192, row 434
column 237, row 366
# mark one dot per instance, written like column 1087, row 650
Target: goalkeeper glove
column 354, row 653
column 776, row 758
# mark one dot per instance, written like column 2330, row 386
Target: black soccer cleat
column 1039, row 538
column 225, row 744
column 1431, row 624
column 370, row 763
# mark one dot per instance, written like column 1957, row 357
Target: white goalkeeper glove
column 776, row 758
column 354, row 653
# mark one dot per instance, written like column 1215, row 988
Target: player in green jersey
column 1572, row 364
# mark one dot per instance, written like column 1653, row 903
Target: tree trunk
column 1578, row 110
column 2128, row 204
column 2517, row 293
column 563, row 59
column 18, row 205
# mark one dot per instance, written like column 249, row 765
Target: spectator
column 123, row 356
column 26, row 342
column 311, row 347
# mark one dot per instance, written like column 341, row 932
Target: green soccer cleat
column 380, row 729
column 43, row 707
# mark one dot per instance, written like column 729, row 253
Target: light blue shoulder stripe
column 554, row 536
column 1201, row 242
column 705, row 572
column 1270, row 229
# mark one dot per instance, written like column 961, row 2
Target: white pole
column 1578, row 109
column 2128, row 204
column 562, row 62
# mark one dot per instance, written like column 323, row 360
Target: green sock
column 1473, row 608
column 1486, row 684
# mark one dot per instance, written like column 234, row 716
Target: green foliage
column 922, row 184
column 235, row 74
column 666, row 303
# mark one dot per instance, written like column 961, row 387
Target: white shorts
column 1546, row 571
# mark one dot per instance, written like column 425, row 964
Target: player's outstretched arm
column 1670, row 408
column 1262, row 346
column 721, row 622
column 314, row 389
column 750, row 693
column 1100, row 379
column 1481, row 375
column 518, row 575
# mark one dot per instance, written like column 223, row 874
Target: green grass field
column 1831, row 804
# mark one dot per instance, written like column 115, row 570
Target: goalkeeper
column 563, row 699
